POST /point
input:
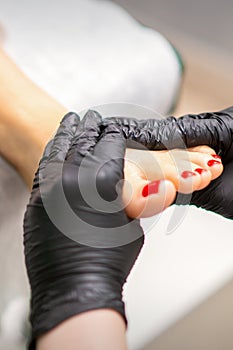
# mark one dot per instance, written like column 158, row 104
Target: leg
column 28, row 118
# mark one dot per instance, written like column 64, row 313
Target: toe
column 193, row 180
column 209, row 162
column 148, row 198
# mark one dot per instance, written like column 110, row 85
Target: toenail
column 187, row 174
column 212, row 162
column 151, row 188
column 216, row 156
column 200, row 170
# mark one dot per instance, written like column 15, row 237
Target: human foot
column 154, row 177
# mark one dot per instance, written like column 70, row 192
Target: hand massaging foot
column 29, row 117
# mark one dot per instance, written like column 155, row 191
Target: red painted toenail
column 212, row 162
column 200, row 170
column 151, row 188
column 187, row 174
column 216, row 156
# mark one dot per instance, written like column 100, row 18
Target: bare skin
column 92, row 330
column 28, row 119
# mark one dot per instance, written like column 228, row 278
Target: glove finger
column 111, row 145
column 218, row 196
column 109, row 154
column 87, row 134
column 63, row 138
column 213, row 129
column 156, row 134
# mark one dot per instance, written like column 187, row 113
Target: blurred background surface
column 202, row 32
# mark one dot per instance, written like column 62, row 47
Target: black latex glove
column 71, row 276
column 218, row 196
column 212, row 129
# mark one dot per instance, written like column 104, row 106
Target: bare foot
column 154, row 177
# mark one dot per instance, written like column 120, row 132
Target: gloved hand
column 79, row 244
column 212, row 129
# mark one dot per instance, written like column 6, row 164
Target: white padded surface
column 90, row 52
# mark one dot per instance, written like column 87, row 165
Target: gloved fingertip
column 69, row 123
column 91, row 119
column 86, row 136
column 71, row 116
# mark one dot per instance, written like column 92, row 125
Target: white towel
column 89, row 52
